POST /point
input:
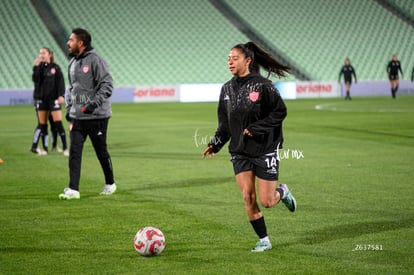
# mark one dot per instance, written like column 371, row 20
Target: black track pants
column 96, row 130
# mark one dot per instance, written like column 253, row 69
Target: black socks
column 259, row 227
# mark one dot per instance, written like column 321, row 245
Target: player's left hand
column 247, row 133
column 61, row 100
column 88, row 109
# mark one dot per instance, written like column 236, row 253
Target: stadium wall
column 210, row 92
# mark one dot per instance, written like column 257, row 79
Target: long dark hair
column 261, row 58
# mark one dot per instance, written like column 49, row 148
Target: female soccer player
column 250, row 113
column 48, row 95
column 392, row 70
column 348, row 71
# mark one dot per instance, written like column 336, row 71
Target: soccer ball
column 149, row 241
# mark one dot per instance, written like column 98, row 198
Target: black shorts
column 41, row 105
column 393, row 77
column 265, row 167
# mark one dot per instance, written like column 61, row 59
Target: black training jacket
column 254, row 103
column 393, row 67
column 48, row 82
column 348, row 72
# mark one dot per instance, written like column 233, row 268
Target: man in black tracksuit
column 88, row 109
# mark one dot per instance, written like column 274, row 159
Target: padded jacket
column 89, row 83
column 48, row 82
column 252, row 103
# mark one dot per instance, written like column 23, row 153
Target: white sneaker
column 66, row 153
column 109, row 189
column 43, row 152
column 262, row 246
column 35, row 151
column 38, row 151
column 57, row 149
column 69, row 194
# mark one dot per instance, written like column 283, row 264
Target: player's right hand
column 208, row 151
column 37, row 61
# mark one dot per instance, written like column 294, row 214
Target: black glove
column 88, row 109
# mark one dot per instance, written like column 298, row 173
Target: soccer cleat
column 39, row 151
column 69, row 194
column 35, row 151
column 66, row 152
column 288, row 199
column 109, row 189
column 262, row 246
column 57, row 149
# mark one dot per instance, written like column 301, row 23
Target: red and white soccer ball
column 149, row 241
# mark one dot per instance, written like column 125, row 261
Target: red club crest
column 85, row 69
column 254, row 96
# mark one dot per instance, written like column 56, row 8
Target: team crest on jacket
column 85, row 69
column 53, row 71
column 254, row 96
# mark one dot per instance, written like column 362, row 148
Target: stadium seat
column 320, row 34
column 157, row 42
column 22, row 35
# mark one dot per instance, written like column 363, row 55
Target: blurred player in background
column 250, row 113
column 48, row 96
column 88, row 108
column 392, row 70
column 348, row 71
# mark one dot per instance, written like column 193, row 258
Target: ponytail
column 261, row 58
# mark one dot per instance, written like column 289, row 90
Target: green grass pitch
column 349, row 165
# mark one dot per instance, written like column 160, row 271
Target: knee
column 269, row 200
column 249, row 199
column 266, row 203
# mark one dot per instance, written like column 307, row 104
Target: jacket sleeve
column 354, row 73
column 340, row 74
column 36, row 74
column 222, row 134
column 68, row 98
column 275, row 110
column 103, row 81
column 68, row 102
column 60, row 82
column 37, row 79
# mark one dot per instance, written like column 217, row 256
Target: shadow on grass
column 158, row 155
column 196, row 182
column 366, row 131
column 345, row 231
